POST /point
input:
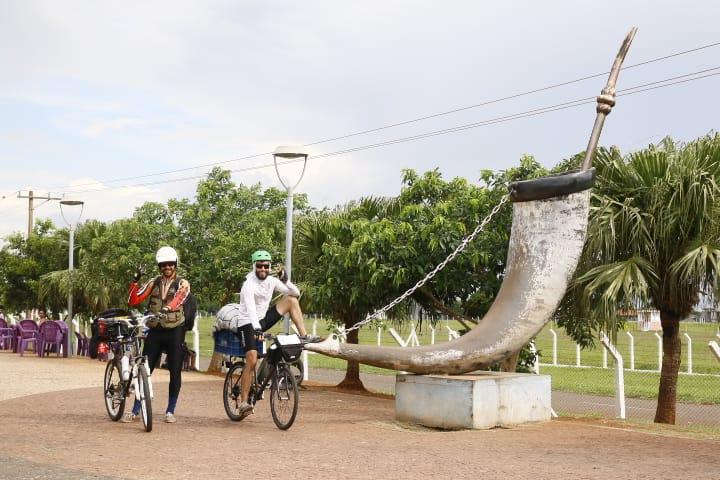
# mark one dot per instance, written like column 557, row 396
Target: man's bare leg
column 247, row 374
column 291, row 305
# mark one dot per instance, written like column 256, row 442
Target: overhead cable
column 414, row 120
column 680, row 79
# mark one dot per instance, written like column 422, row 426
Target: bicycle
column 284, row 394
column 128, row 371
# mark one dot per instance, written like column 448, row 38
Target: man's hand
column 138, row 274
column 259, row 334
column 282, row 275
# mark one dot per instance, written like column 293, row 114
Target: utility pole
column 31, row 208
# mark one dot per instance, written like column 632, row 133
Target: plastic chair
column 50, row 336
column 27, row 332
column 82, row 344
column 66, row 336
column 7, row 335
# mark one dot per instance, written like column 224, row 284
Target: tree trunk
column 667, row 394
column 215, row 363
column 352, row 373
column 510, row 363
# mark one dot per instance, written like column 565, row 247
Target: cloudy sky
column 104, row 98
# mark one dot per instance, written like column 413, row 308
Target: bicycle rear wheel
column 143, row 394
column 113, row 391
column 284, row 397
column 231, row 392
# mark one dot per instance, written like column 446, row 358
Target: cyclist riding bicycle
column 167, row 294
column 255, row 315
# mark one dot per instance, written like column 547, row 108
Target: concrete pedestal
column 477, row 400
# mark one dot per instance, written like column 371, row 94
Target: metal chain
column 430, row 275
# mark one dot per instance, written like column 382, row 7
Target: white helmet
column 166, row 254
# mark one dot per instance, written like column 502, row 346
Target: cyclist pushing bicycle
column 167, row 293
column 255, row 315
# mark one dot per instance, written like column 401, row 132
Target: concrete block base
column 477, row 400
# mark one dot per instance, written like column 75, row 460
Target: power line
column 528, row 113
column 8, row 194
column 680, row 79
column 414, row 120
column 511, row 97
column 183, row 179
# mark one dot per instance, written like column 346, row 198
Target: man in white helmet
column 167, row 293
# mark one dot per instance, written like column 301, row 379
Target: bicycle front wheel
column 298, row 369
column 143, row 394
column 231, row 392
column 114, row 391
column 284, row 397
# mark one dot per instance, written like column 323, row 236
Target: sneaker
column 311, row 338
column 128, row 418
column 245, row 409
column 170, row 417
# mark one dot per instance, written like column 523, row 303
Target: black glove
column 282, row 275
column 138, row 273
column 258, row 334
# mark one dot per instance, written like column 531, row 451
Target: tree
column 106, row 256
column 653, row 240
column 360, row 257
column 23, row 261
column 218, row 233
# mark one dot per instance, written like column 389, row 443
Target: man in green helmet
column 254, row 314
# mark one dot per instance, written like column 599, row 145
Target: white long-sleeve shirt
column 255, row 296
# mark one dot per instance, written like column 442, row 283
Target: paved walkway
column 30, row 374
column 62, row 431
column 565, row 403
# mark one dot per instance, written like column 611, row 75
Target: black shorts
column 271, row 318
column 247, row 332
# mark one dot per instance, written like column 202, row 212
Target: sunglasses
column 262, row 266
column 166, row 264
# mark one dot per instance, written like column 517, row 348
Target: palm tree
column 653, row 241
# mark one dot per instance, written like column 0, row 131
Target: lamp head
column 290, row 151
column 71, row 204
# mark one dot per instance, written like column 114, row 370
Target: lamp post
column 290, row 153
column 73, row 217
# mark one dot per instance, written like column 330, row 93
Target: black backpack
column 190, row 311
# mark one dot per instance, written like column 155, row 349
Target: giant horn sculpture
column 549, row 225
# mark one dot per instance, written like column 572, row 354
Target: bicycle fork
column 136, row 379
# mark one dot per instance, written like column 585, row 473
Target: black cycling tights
column 168, row 340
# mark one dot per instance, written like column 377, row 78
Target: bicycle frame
column 130, row 347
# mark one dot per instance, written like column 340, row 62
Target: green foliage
column 357, row 258
column 218, row 233
column 653, row 238
column 23, row 262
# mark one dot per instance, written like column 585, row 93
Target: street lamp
column 73, row 208
column 289, row 153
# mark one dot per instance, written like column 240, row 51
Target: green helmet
column 260, row 255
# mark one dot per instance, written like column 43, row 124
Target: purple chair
column 83, row 347
column 66, row 336
column 27, row 332
column 7, row 335
column 50, row 336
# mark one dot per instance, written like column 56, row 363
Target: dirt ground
column 63, row 432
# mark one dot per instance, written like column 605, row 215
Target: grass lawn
column 592, row 380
